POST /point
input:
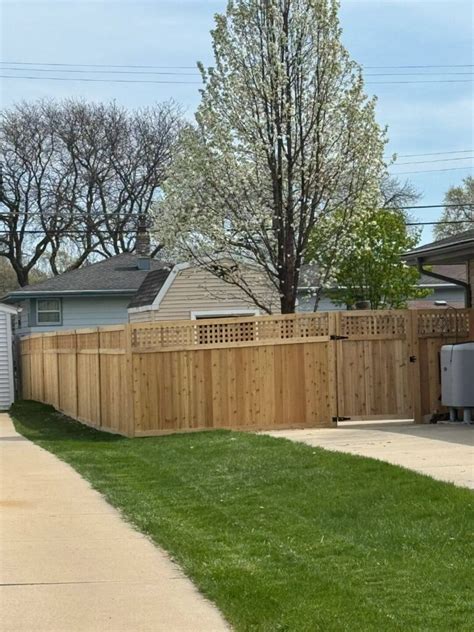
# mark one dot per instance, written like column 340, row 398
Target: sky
column 428, row 115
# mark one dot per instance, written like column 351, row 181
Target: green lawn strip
column 282, row 536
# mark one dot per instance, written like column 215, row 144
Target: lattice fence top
column 253, row 330
column 448, row 322
column 229, row 331
column 373, row 323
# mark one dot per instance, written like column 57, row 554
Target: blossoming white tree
column 285, row 137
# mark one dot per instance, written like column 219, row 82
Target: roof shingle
column 117, row 273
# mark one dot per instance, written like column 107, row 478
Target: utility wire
column 78, row 233
column 118, row 72
column 423, row 66
column 95, row 80
column 130, row 217
column 435, row 153
column 404, row 173
column 171, row 72
column 465, row 221
column 372, row 83
column 420, row 162
column 406, row 74
column 28, row 77
column 31, row 63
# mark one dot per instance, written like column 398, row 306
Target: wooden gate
column 375, row 361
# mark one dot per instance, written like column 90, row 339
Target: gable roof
column 150, row 287
column 455, row 249
column 117, row 275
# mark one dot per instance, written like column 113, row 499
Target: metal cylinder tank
column 457, row 375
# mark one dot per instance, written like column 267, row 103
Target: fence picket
column 247, row 373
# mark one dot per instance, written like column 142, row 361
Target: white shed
column 7, row 391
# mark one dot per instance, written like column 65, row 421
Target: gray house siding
column 77, row 312
column 454, row 295
column 306, row 303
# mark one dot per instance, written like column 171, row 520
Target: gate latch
column 336, row 337
column 341, row 418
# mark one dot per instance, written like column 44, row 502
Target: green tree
column 459, row 208
column 368, row 265
column 285, row 137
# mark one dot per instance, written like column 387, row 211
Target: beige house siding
column 197, row 290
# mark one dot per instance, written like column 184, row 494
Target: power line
column 420, row 162
column 112, row 72
column 372, row 83
column 427, row 206
column 148, row 72
column 404, row 173
column 409, row 74
column 422, row 66
column 83, row 79
column 83, row 233
column 97, row 80
column 131, row 217
column 466, row 221
column 31, row 63
column 436, row 153
column 75, row 64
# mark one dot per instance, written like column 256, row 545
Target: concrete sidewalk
column 444, row 452
column 68, row 562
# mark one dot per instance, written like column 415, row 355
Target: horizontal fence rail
column 299, row 370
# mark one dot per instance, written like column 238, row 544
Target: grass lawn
column 283, row 536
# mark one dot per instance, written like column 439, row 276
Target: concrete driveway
column 443, row 451
column 68, row 562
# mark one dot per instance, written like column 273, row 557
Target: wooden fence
column 302, row 370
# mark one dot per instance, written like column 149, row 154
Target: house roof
column 450, row 250
column 118, row 275
column 456, row 271
column 150, row 287
column 310, row 277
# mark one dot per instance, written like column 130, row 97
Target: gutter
column 21, row 295
column 446, row 279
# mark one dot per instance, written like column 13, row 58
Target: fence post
column 76, row 379
column 415, row 364
column 334, row 329
column 471, row 324
column 58, row 373
column 130, row 389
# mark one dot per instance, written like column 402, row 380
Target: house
column 133, row 288
column 191, row 292
column 7, row 391
column 451, row 252
column 126, row 287
column 96, row 294
column 443, row 287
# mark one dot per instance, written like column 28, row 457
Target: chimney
column 142, row 245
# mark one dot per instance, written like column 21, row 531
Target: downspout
column 442, row 277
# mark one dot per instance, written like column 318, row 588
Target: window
column 48, row 311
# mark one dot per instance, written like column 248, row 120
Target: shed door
column 6, row 363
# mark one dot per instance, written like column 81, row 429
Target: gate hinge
column 413, row 358
column 336, row 337
column 341, row 418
